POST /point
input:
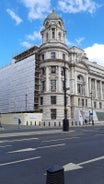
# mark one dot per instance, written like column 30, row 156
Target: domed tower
column 53, row 54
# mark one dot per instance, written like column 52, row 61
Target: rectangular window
column 62, row 70
column 42, row 57
column 86, row 102
column 95, row 105
column 82, row 102
column 78, row 101
column 41, row 100
column 100, row 105
column 63, row 56
column 79, row 88
column 53, row 85
column 53, row 69
column 43, row 85
column 43, row 71
column 53, row 113
column 41, row 110
column 53, row 99
column 53, row 33
column 53, row 55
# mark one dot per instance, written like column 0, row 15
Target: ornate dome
column 53, row 16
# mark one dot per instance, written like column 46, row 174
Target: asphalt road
column 25, row 159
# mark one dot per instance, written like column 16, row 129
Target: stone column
column 47, row 79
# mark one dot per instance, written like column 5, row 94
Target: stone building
column 84, row 79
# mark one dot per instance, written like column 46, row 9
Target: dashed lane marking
column 19, row 140
column 67, row 138
column 19, row 161
column 34, row 149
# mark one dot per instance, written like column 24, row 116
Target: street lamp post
column 92, row 109
column 65, row 120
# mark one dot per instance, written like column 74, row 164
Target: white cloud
column 35, row 36
column 37, row 8
column 76, row 42
column 14, row 16
column 26, row 44
column 96, row 53
column 75, row 6
column 79, row 40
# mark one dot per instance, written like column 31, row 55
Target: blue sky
column 22, row 20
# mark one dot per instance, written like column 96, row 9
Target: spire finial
column 53, row 11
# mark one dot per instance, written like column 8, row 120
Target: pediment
column 83, row 65
column 75, row 49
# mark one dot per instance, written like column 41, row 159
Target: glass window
column 95, row 105
column 42, row 57
column 86, row 102
column 53, row 55
column 53, row 99
column 53, row 85
column 63, row 56
column 43, row 71
column 62, row 70
column 53, row 69
column 53, row 113
column 53, row 33
column 41, row 100
column 82, row 102
column 78, row 101
column 100, row 105
column 43, row 85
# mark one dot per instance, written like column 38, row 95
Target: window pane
column 43, row 85
column 53, row 85
column 53, row 69
column 53, row 55
column 53, row 113
column 53, row 99
column 41, row 100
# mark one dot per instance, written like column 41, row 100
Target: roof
column 53, row 16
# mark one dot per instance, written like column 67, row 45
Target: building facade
column 44, row 84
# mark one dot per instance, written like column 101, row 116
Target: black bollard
column 55, row 175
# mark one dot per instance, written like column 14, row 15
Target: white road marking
column 19, row 161
column 19, row 140
column 33, row 149
column 5, row 146
column 92, row 160
column 102, row 134
column 72, row 166
column 67, row 138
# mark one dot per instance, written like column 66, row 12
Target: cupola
column 53, row 29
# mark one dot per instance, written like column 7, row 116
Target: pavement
column 14, row 130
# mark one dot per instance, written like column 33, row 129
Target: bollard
column 55, row 175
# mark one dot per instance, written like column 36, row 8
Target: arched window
column 80, row 85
